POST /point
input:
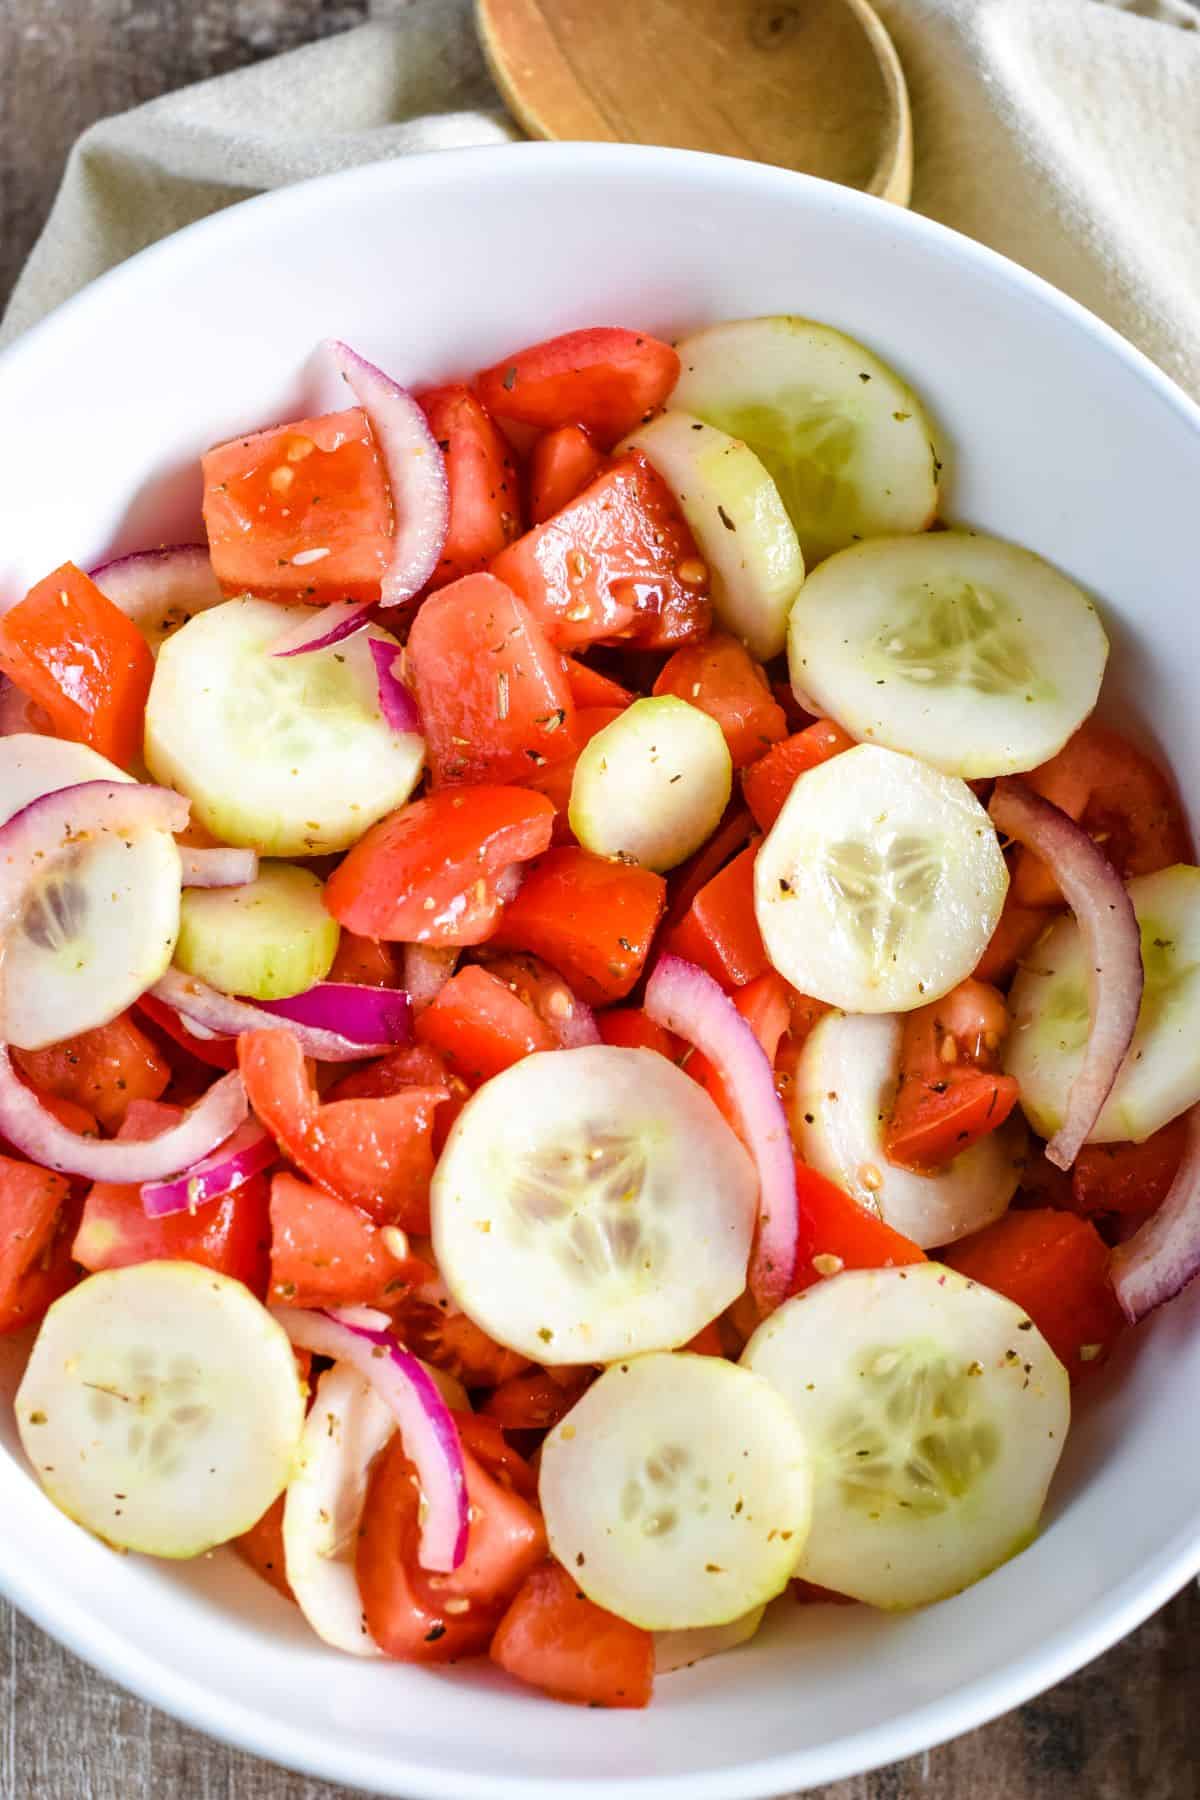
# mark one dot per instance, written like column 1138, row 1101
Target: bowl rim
column 959, row 1710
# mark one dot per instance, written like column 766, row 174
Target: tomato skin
column 554, row 1638
column 32, row 1201
column 949, row 1095
column 481, row 1027
column 1129, row 1179
column 535, row 1401
column 405, row 1608
column 561, row 464
column 494, row 700
column 631, row 1028
column 374, row 1154
column 607, row 566
column 262, row 1548
column 446, row 849
column 833, row 1224
column 273, row 496
column 719, row 932
column 602, row 377
column 767, row 782
column 72, row 652
column 557, row 781
column 590, row 919
column 325, row 1252
column 364, row 961
column 104, row 1070
column 589, row 688
column 485, row 505
column 722, row 678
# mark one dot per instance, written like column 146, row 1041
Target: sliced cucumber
column 591, row 1204
column 288, row 755
column 841, row 1095
column 680, row 1649
column 1160, row 1076
column 100, row 927
column 738, row 521
column 847, row 443
column 968, row 651
column 936, row 1414
column 267, row 940
column 880, row 883
column 677, row 1491
column 652, row 785
column 161, row 1407
column 345, row 1430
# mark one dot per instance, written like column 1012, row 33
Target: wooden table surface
column 1127, row 1726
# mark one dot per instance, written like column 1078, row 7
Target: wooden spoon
column 814, row 85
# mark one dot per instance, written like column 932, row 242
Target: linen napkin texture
column 1065, row 133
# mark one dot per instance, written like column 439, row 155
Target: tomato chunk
column 104, row 1070
column 557, row 781
column 487, row 1443
column 213, row 1053
column 451, row 1341
column 537, row 1400
column 618, row 562
column 300, row 512
column 765, row 1005
column 427, row 873
column 325, row 1252
column 414, row 1616
column 719, row 932
column 31, row 1203
column 1129, row 1179
column 485, row 507
column 722, row 678
column 414, row 1065
column 949, row 1095
column 375, row 1154
column 837, row 1233
column 494, row 699
column 72, row 652
column 603, row 378
column 481, row 1027
column 589, row 688
column 633, row 1029
column 1054, row 1266
column 554, row 1638
column 561, row 464
column 590, row 919
column 262, row 1548
column 364, row 961
column 1017, row 931
column 768, row 782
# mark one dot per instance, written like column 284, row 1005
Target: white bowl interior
column 1059, row 436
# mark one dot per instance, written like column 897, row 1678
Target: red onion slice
column 249, row 1151
column 1163, row 1254
column 395, row 702
column 203, row 1007
column 415, row 469
column 1108, row 925
column 363, row 1015
column 218, row 867
column 427, row 969
column 159, row 589
column 685, row 1000
column 19, row 713
column 427, row 1427
column 328, row 625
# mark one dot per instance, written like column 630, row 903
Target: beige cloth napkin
column 1065, row 133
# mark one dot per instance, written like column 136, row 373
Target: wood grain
column 1128, row 1728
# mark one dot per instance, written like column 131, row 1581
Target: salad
column 594, row 1035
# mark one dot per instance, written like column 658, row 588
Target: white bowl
column 1059, row 435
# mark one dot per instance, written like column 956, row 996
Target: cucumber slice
column 161, row 1407
column 880, row 883
column 677, row 1492
column 738, row 521
column 935, row 1412
column 267, row 940
column 968, row 651
column 680, row 1649
column 1160, row 1076
column 652, row 785
column 591, row 1204
column 288, row 755
column 841, row 1094
column 345, row 1430
column 100, row 927
column 846, row 442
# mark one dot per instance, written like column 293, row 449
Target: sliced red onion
column 427, row 1428
column 160, row 588
column 685, row 1000
column 202, row 1007
column 577, row 1027
column 327, row 625
column 507, row 884
column 395, row 702
column 1163, row 1254
column 218, row 867
column 249, row 1151
column 427, row 969
column 415, row 469
column 19, row 713
column 366, row 1016
column 1108, row 926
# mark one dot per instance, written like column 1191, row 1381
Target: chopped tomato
column 1055, row 1267
column 449, row 1340
column 707, row 1341
column 1122, row 799
column 415, row 1065
column 557, row 780
column 32, row 1201
column 554, row 1638
column 590, row 919
column 1131, row 1179
column 719, row 932
column 488, row 1445
column 618, row 562
column 427, row 873
column 809, row 1593
column 561, row 464
column 722, row 678
column 765, row 1005
column 51, row 1274
column 767, row 782
column 633, row 1029
column 215, row 1053
column 538, row 986
column 589, row 688
column 494, row 700
column 535, row 1401
column 602, row 377
column 376, row 1154
column 837, row 1233
column 71, row 651
column 230, row 1235
column 325, row 1252
column 805, row 1012
column 262, row 1548
column 485, row 508
column 736, row 830
column 415, row 1616
column 949, row 1095
column 104, row 1071
column 300, row 512
column 365, row 961
column 481, row 1027
column 1017, row 931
